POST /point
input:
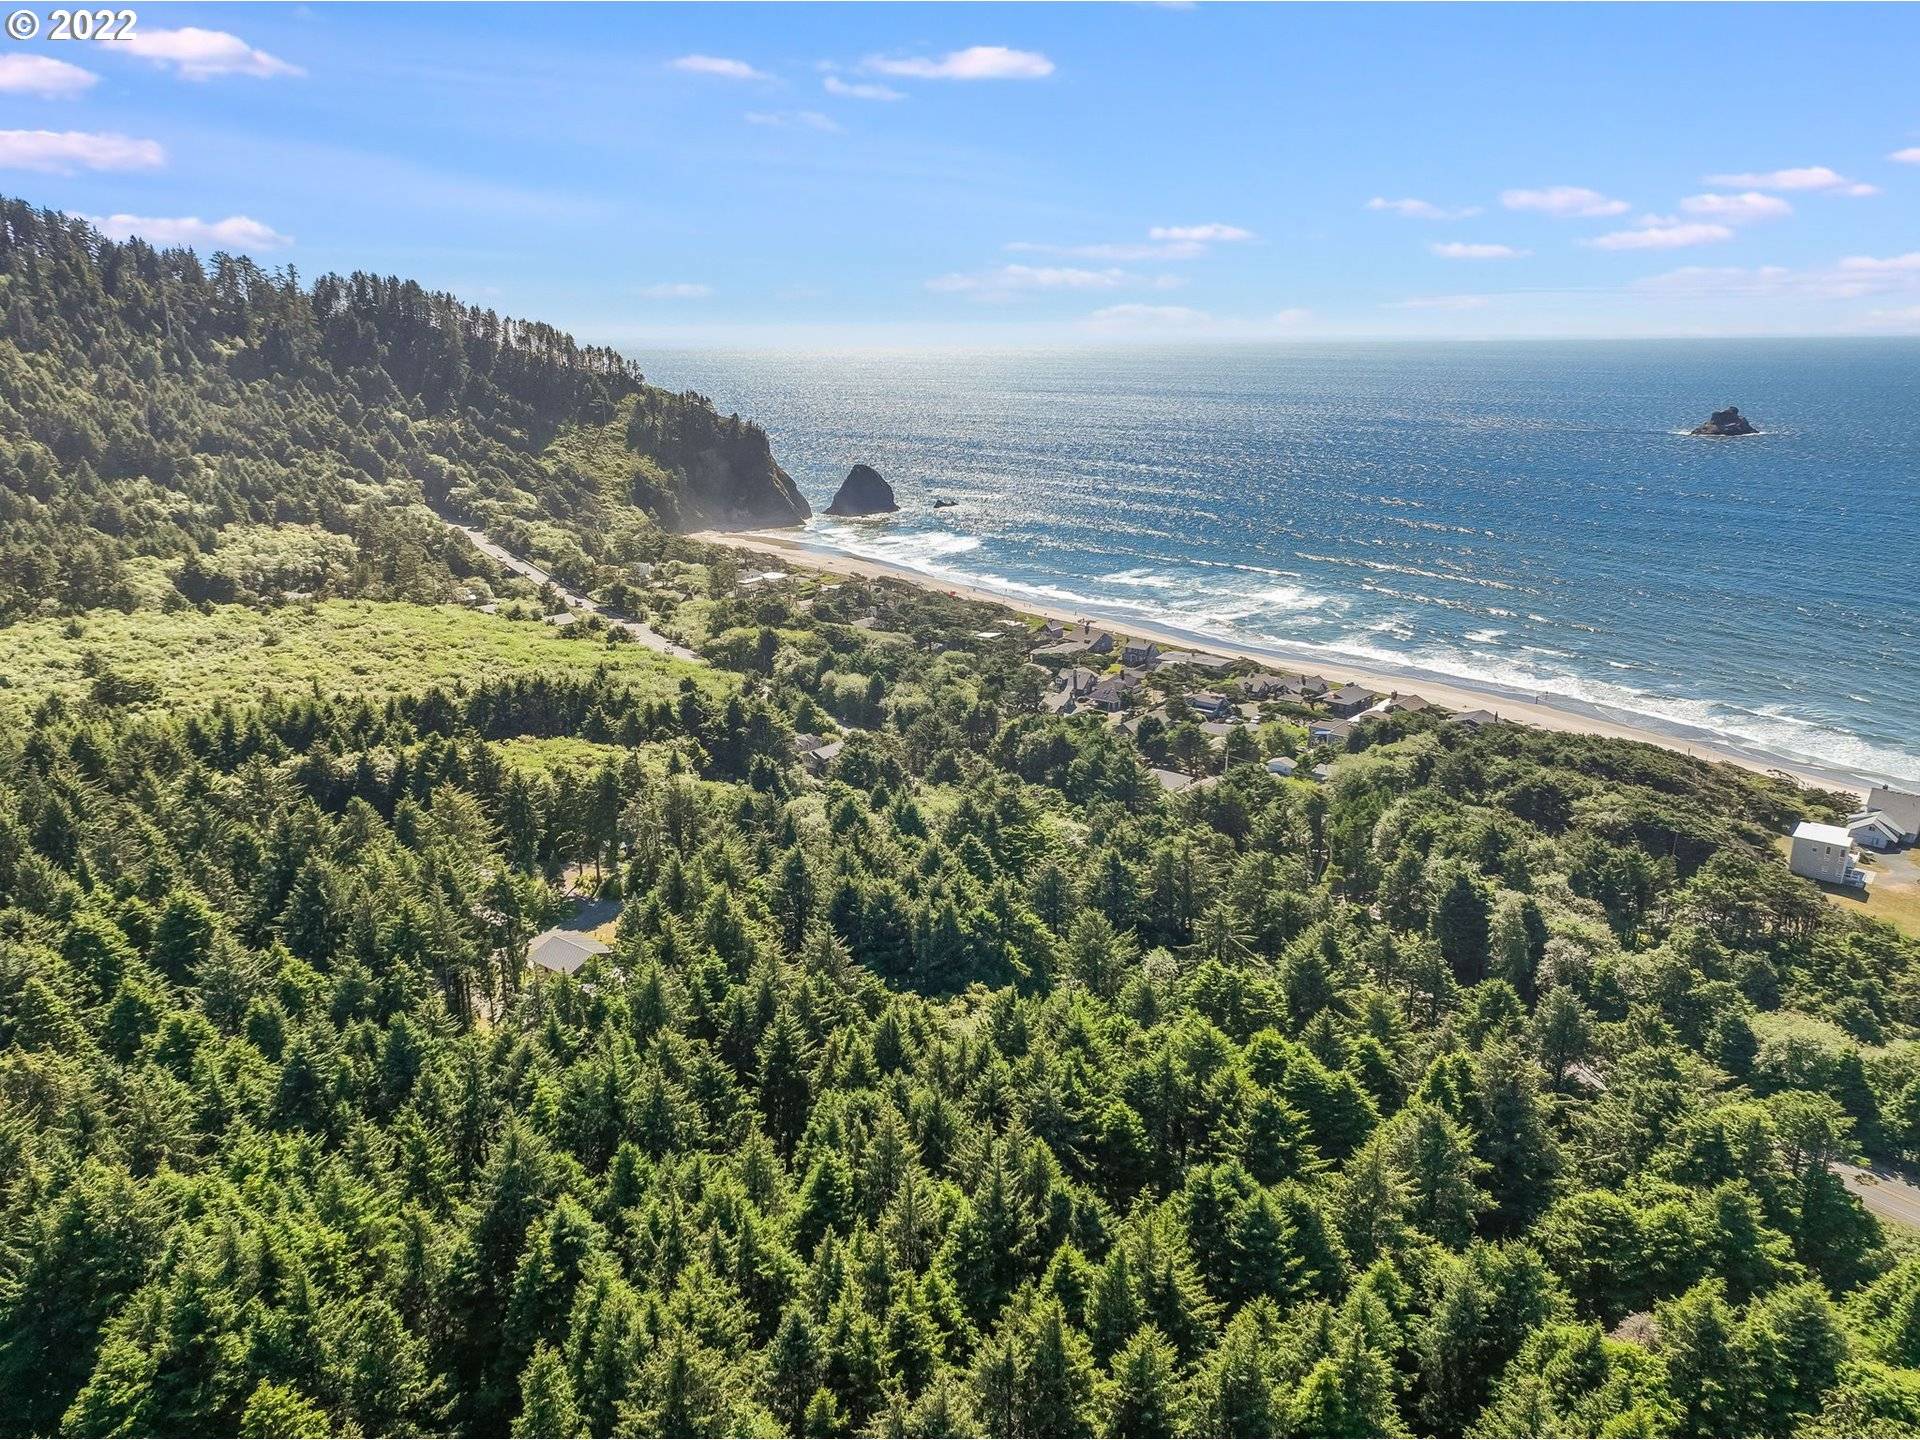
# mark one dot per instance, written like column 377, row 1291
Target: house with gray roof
column 561, row 952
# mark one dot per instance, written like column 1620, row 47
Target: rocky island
column 863, row 492
column 1726, row 422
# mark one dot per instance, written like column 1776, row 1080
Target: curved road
column 644, row 634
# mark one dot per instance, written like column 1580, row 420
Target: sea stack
column 1726, row 422
column 863, row 492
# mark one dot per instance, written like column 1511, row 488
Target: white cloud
column 42, row 75
column 1908, row 264
column 1662, row 233
column 1464, row 250
column 1908, row 315
column 718, row 66
column 236, row 232
column 1164, row 242
column 1849, row 279
column 1122, row 250
column 1564, row 202
column 1293, row 315
column 1806, row 177
column 61, row 152
column 1440, row 302
column 793, row 120
column 857, row 90
column 1908, row 156
column 1740, row 209
column 1421, row 209
column 976, row 62
column 1005, row 281
column 675, row 290
column 198, row 54
column 1200, row 234
column 1135, row 317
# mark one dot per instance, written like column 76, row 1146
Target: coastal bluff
column 863, row 492
column 1726, row 422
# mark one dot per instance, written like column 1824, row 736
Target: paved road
column 1883, row 1192
column 644, row 634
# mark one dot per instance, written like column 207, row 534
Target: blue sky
column 1010, row 174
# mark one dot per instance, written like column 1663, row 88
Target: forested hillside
column 981, row 1088
column 972, row 1085
column 160, row 414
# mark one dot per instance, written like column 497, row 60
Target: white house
column 1280, row 765
column 1823, row 853
column 1874, row 830
column 1902, row 808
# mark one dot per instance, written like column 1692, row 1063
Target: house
column 1823, row 853
column 818, row 759
column 1406, row 704
column 1077, row 680
column 1323, row 773
column 1210, row 703
column 1269, row 685
column 1195, row 658
column 1280, row 765
column 564, row 619
column 1050, row 632
column 1350, row 700
column 1065, row 650
column 804, row 743
column 561, row 952
column 1108, row 695
column 1139, row 654
column 1173, row 781
column 1872, row 829
column 1329, row 732
column 1476, row 718
column 1901, row 809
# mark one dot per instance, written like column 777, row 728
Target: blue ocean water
column 1527, row 516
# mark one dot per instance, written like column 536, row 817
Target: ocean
column 1530, row 518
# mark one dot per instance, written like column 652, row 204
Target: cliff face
column 722, row 469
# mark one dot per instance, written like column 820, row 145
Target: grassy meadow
column 193, row 658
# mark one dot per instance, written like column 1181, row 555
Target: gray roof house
column 561, row 952
column 818, row 759
column 1350, row 700
column 1329, row 732
column 1210, row 703
column 1900, row 807
column 1140, row 654
column 1477, row 718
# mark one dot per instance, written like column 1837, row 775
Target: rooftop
column 563, row 951
column 1822, row 834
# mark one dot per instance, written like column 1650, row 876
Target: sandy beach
column 792, row 550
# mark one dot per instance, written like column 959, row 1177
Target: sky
column 906, row 175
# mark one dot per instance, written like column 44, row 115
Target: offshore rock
column 863, row 492
column 1726, row 422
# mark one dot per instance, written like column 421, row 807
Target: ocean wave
column 1484, row 637
column 1146, row 579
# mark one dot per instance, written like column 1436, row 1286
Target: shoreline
column 1564, row 716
